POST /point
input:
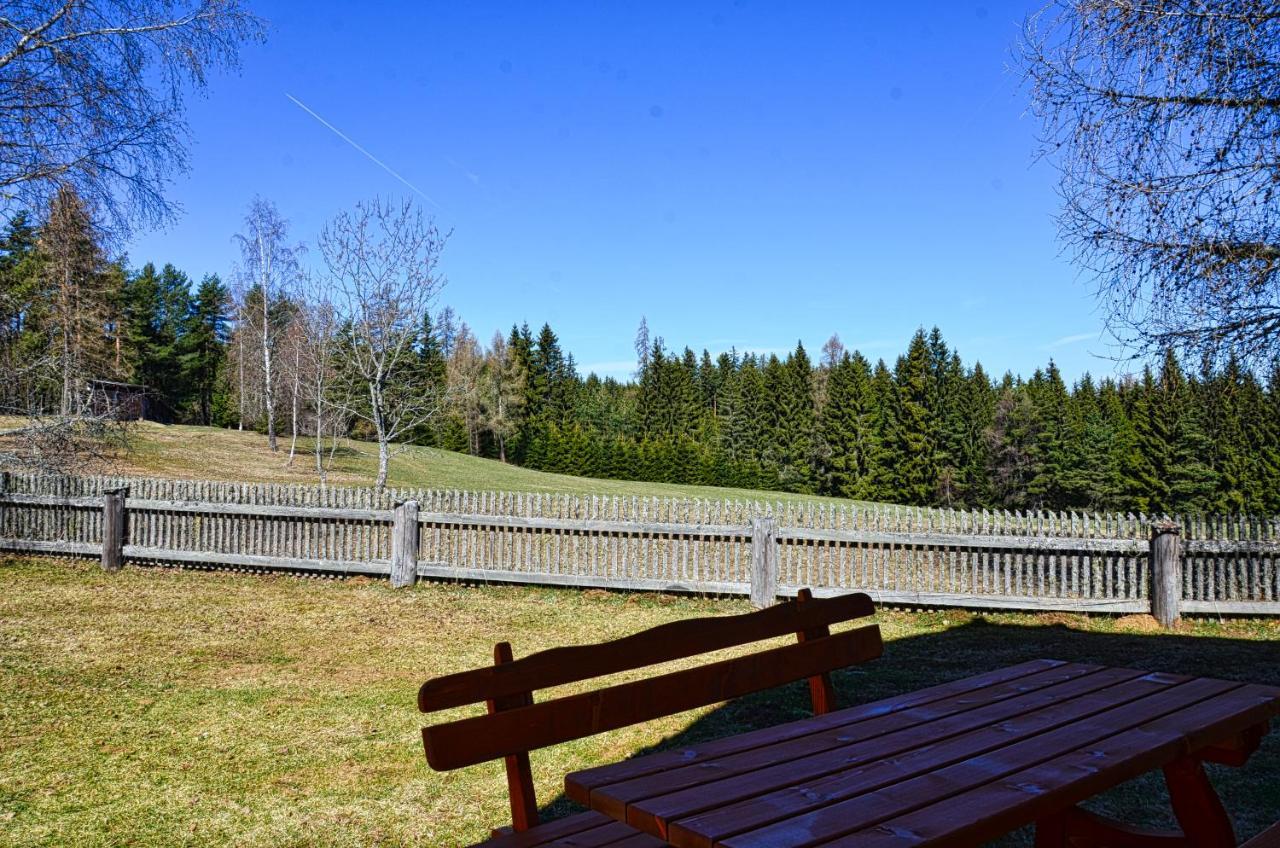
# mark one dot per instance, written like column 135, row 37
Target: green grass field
column 210, row 453
column 165, row 707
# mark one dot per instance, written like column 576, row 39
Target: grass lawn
column 167, row 707
column 210, row 453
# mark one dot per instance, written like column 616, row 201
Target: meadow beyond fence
column 921, row 557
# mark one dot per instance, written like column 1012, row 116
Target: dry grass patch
column 161, row 707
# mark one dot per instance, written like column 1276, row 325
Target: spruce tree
column 915, row 425
column 793, row 424
column 202, row 347
column 849, row 437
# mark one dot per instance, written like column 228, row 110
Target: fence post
column 113, row 528
column 1166, row 571
column 4, row 490
column 764, row 561
column 404, row 545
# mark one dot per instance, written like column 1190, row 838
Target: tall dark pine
column 202, row 347
column 156, row 312
column 849, row 438
column 793, row 421
column 915, row 431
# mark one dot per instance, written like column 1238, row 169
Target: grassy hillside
column 207, row 453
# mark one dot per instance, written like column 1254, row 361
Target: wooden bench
column 1269, row 838
column 515, row 725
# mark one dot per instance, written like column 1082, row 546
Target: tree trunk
column 268, row 399
column 240, row 367
column 293, row 410
column 379, row 424
column 319, row 442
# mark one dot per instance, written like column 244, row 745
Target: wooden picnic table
column 956, row 764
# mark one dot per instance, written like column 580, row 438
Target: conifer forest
column 923, row 428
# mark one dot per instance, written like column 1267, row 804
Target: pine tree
column 1052, row 440
column 915, row 425
column 849, row 436
column 743, row 431
column 1013, row 451
column 157, row 309
column 202, row 346
column 83, row 297
column 883, row 456
column 26, row 321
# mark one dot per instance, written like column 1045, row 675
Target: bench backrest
column 516, row 725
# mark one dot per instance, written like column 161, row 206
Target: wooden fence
column 921, row 557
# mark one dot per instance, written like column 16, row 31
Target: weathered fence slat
column 916, row 556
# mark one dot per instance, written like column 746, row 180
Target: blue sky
column 744, row 174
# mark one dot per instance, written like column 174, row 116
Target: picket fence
column 919, row 557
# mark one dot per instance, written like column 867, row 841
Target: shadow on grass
column 1251, row 794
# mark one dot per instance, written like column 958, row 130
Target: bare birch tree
column 322, row 395
column 269, row 264
column 1164, row 119
column 382, row 261
column 91, row 96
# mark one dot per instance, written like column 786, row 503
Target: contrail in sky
column 340, row 134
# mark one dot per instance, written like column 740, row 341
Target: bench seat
column 515, row 724
column 585, row 830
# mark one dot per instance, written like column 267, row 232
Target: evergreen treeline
column 926, row 430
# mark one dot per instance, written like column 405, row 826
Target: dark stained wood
column 677, row 640
column 474, row 740
column 1236, row 750
column 586, row 830
column 524, row 803
column 959, row 769
column 1077, row 828
column 683, row 792
column 997, row 806
column 1031, row 674
column 928, row 755
column 1269, row 838
column 515, row 725
column 821, row 690
column 1196, row 805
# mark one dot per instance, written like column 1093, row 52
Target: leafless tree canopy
column 1164, row 118
column 381, row 260
column 91, row 95
column 269, row 271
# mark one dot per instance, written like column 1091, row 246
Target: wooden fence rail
column 978, row 559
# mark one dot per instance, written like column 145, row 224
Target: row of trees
column 67, row 313
column 327, row 353
column 926, row 430
column 356, row 349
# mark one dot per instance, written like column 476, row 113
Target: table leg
column 1197, row 806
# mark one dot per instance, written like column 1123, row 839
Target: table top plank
column 1018, row 798
column 613, row 797
column 578, row 785
column 865, row 810
column 706, row 828
column 860, row 748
